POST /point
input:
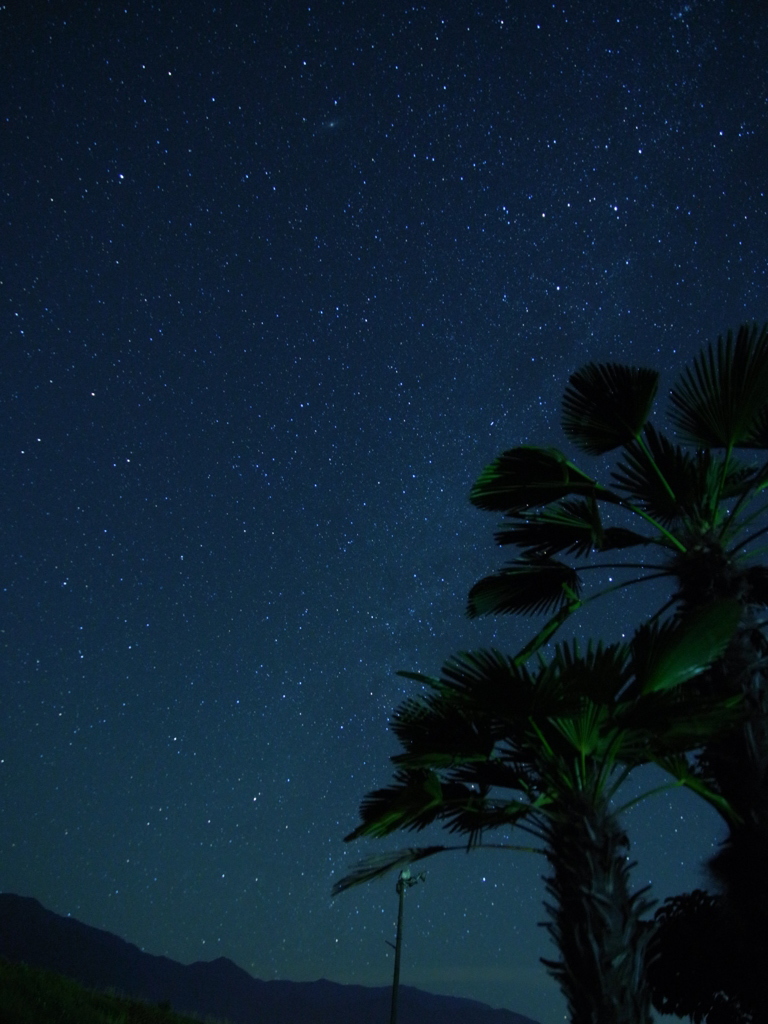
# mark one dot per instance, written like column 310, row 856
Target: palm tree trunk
column 595, row 920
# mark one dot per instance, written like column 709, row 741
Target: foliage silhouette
column 695, row 513
column 492, row 743
column 697, row 964
column 29, row 995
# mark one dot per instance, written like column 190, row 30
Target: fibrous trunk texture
column 595, row 920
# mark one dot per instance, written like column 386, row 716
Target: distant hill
column 219, row 988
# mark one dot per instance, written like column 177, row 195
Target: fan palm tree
column 693, row 511
column 493, row 743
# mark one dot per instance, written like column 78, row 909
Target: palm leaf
column 711, row 717
column 668, row 482
column 599, row 674
column 413, row 801
column 607, row 404
column 524, row 478
column 741, row 478
column 678, row 766
column 382, row 863
column 667, row 655
column 483, row 686
column 494, row 686
column 572, row 526
column 505, row 770
column 437, row 731
column 420, row 677
column 681, row 719
column 722, row 400
column 547, row 631
column 471, row 817
column 583, row 731
column 527, row 587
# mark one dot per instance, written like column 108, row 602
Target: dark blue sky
column 278, row 279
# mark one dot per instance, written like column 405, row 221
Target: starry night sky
column 278, row 280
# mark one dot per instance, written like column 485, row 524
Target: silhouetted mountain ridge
column 31, row 934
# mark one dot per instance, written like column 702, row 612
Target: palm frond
column 584, row 731
column 438, row 732
column 524, row 478
column 472, row 817
column 687, row 720
column 382, row 863
column 722, row 400
column 668, row 654
column 547, row 631
column 528, row 587
column 484, row 687
column 668, row 482
column 508, row 769
column 598, row 675
column 496, row 687
column 413, row 801
column 743, row 479
column 483, row 672
column 673, row 721
column 679, row 767
column 420, row 677
column 606, row 405
column 573, row 526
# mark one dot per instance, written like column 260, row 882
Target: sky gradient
column 277, row 281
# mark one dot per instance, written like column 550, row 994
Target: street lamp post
column 404, row 882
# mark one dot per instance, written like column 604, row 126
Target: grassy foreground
column 32, row 996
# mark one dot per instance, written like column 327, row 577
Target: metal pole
column 400, row 889
column 404, row 882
